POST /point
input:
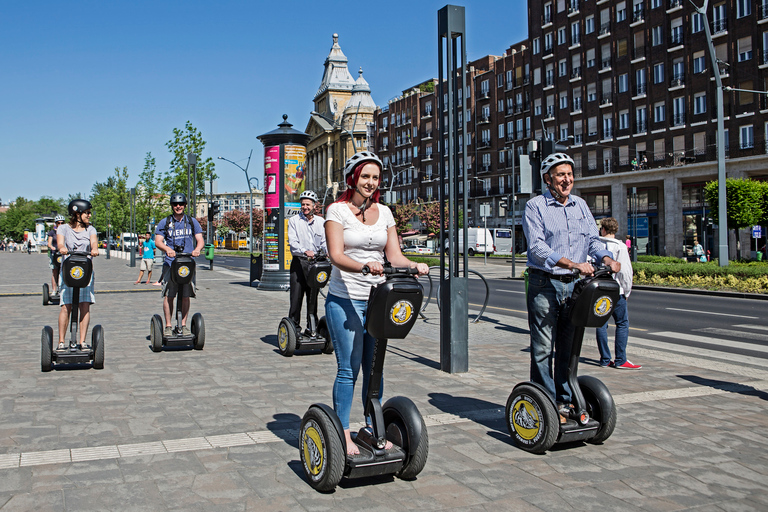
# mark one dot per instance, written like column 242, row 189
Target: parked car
column 418, row 249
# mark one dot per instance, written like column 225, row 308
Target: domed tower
column 339, row 124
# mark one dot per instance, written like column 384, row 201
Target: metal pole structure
column 511, row 203
column 192, row 162
column 133, row 227
column 108, row 234
column 454, row 317
column 485, row 237
column 722, row 219
column 248, row 180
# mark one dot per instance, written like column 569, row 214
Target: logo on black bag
column 183, row 271
column 77, row 272
column 401, row 312
column 603, row 306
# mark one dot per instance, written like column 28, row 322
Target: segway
column 289, row 335
column 532, row 416
column 48, row 297
column 392, row 310
column 182, row 273
column 77, row 269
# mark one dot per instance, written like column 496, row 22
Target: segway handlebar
column 601, row 269
column 408, row 271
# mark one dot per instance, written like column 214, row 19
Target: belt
column 563, row 278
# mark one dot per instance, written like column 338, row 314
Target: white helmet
column 58, row 218
column 554, row 160
column 357, row 159
column 308, row 194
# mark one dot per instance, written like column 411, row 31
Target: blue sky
column 88, row 86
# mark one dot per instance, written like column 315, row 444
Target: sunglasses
column 174, row 205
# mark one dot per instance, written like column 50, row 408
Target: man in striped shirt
column 561, row 233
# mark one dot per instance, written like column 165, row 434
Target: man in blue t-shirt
column 177, row 233
column 147, row 257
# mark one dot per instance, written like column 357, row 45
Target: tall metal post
column 109, row 238
column 133, row 227
column 454, row 316
column 192, row 198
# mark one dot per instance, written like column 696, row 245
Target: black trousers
column 300, row 288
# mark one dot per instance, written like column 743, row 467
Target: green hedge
column 710, row 269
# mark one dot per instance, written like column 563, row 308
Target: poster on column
column 294, row 167
column 271, row 205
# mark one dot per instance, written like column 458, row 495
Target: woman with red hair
column 359, row 232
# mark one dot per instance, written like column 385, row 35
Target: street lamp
column 336, row 124
column 389, row 197
column 133, row 228
column 192, row 195
column 484, row 210
column 250, row 189
column 109, row 238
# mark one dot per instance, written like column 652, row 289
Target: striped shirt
column 554, row 230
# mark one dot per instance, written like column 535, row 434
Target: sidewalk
column 216, row 430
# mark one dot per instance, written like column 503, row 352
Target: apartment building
column 630, row 86
column 229, row 201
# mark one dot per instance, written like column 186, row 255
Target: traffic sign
column 757, row 231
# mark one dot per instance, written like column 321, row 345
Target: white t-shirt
column 362, row 243
column 619, row 251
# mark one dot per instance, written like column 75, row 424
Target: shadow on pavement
column 731, row 387
column 488, row 414
column 286, row 426
column 431, row 363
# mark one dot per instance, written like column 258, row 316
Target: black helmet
column 78, row 206
column 178, row 197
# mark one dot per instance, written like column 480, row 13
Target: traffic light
column 213, row 211
column 545, row 148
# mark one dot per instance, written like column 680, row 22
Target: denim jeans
column 551, row 334
column 621, row 317
column 353, row 346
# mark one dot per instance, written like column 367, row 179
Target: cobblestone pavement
column 216, row 429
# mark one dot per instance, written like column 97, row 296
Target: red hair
column 352, row 185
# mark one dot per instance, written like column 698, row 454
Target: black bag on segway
column 593, row 300
column 393, row 307
column 182, row 269
column 318, row 273
column 77, row 270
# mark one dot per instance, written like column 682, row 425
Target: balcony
column 384, row 147
column 573, row 8
column 484, row 94
column 640, row 90
column 427, row 136
column 641, row 127
column 605, row 29
column 605, row 65
column 483, row 144
column 546, row 20
column 605, row 101
column 678, row 119
column 607, row 133
column 550, row 114
column 548, row 52
column 576, row 73
column 638, row 16
column 764, row 60
column 674, row 4
column 677, row 81
column 484, row 120
column 519, row 108
column 763, row 12
column 576, row 105
column 549, row 81
column 638, row 53
column 575, row 41
column 577, row 139
column 676, row 39
column 427, row 157
column 427, row 114
column 719, row 26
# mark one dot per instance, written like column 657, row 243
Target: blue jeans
column 353, row 346
column 551, row 334
column 621, row 317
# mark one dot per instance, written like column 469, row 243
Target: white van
column 128, row 240
column 480, row 241
column 502, row 240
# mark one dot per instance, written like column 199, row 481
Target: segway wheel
column 322, row 330
column 198, row 329
column 156, row 333
column 46, row 295
column 97, row 342
column 532, row 419
column 406, row 428
column 321, row 450
column 600, row 406
column 46, row 342
column 286, row 337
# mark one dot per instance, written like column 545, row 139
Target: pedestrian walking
column 561, row 233
column 608, row 228
column 147, row 257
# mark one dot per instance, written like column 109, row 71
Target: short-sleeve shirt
column 148, row 249
column 54, row 239
column 76, row 241
column 180, row 233
column 362, row 243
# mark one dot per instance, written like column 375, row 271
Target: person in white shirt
column 608, row 228
column 360, row 232
column 306, row 238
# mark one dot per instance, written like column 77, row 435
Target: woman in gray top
column 76, row 236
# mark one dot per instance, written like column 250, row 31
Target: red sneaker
column 628, row 366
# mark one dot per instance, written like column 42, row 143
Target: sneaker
column 168, row 331
column 612, row 365
column 609, row 364
column 628, row 366
column 185, row 331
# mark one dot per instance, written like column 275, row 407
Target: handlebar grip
column 365, row 270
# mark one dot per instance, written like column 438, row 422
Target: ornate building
column 340, row 124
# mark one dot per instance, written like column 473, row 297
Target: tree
column 745, row 202
column 403, row 213
column 151, row 205
column 115, row 192
column 258, row 222
column 429, row 214
column 188, row 140
column 236, row 220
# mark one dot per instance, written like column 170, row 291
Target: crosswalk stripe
column 635, row 342
column 710, row 341
column 709, row 313
column 752, row 326
column 730, row 332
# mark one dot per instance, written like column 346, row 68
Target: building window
column 624, row 120
column 561, row 36
column 501, row 131
column 697, row 22
column 655, row 4
column 575, row 33
column 536, row 46
column 589, row 25
column 746, row 137
column 562, row 68
column 658, row 73
column 678, row 111
column 745, row 48
column 659, row 112
column 563, row 101
column 743, row 8
column 657, row 35
column 621, row 12
column 700, row 103
column 591, row 58
column 548, row 42
column 699, row 62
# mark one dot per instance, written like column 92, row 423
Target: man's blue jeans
column 621, row 317
column 353, row 347
column 551, row 334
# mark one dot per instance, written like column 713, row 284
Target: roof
column 336, row 76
